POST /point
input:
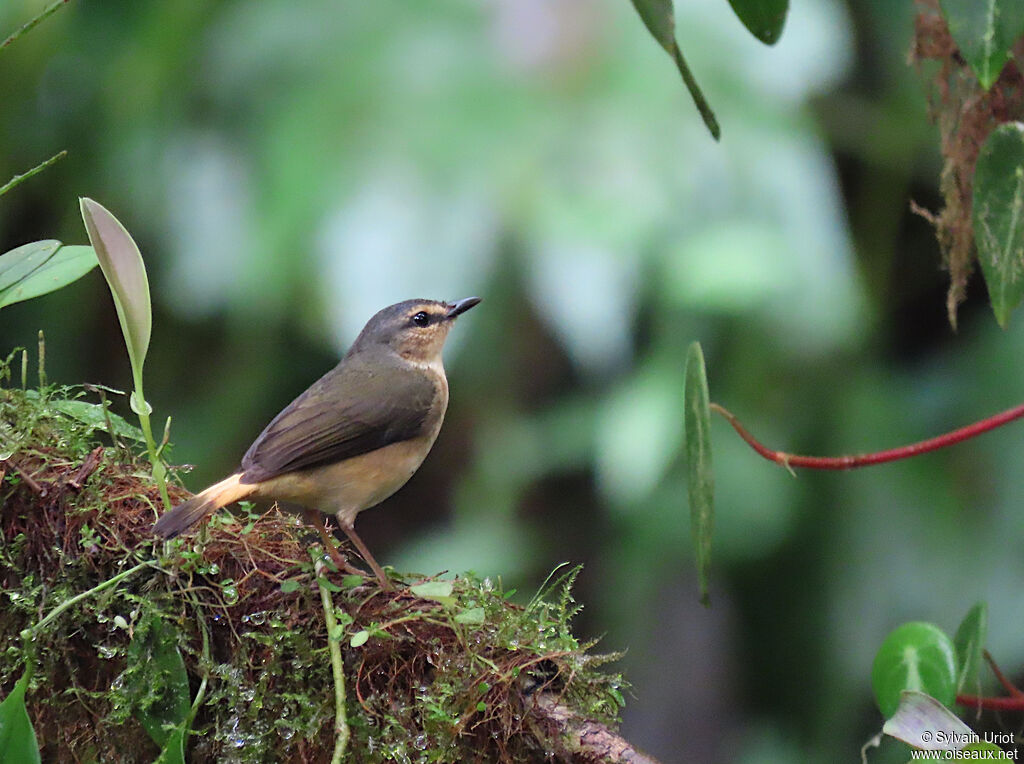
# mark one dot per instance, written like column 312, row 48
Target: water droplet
column 107, row 652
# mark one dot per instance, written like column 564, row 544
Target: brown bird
column 356, row 435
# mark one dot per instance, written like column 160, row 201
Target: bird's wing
column 351, row 410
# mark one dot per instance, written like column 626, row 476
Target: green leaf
column 92, row 414
column 983, row 746
column 700, row 478
column 998, row 212
column 969, row 643
column 328, row 585
column 763, row 18
column 985, row 31
column 433, row 590
column 474, row 615
column 42, row 267
column 923, row 722
column 659, row 18
column 359, row 638
column 160, row 689
column 915, row 656
column 351, row 581
column 17, row 738
column 122, row 266
column 174, row 749
column 289, row 585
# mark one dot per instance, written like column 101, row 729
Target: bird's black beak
column 460, row 307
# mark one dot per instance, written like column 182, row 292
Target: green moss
column 443, row 673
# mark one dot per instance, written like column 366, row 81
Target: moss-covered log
column 226, row 630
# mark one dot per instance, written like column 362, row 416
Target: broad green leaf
column 18, row 263
column 998, row 212
column 17, row 738
column 289, row 585
column 472, row 616
column 700, row 478
column 160, row 689
column 125, row 272
column 915, row 656
column 92, row 415
column 42, row 267
column 969, row 643
column 659, row 18
column 923, row 722
column 359, row 638
column 433, row 590
column 986, row 747
column 763, row 18
column 985, row 31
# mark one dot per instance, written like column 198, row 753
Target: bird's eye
column 421, row 319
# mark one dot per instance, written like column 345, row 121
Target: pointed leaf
column 92, row 414
column 998, row 212
column 440, row 591
column 125, row 272
column 21, row 261
column 160, row 683
column 700, row 479
column 659, row 18
column 40, row 268
column 915, row 656
column 17, row 738
column 923, row 722
column 969, row 643
column 174, row 749
column 985, row 31
column 763, row 18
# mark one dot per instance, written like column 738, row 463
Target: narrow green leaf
column 659, row 18
column 17, row 738
column 92, row 414
column 700, row 478
column 969, row 643
column 160, row 689
column 351, row 581
column 125, row 272
column 915, row 656
column 763, row 18
column 998, row 212
column 985, row 31
column 174, row 748
column 923, row 722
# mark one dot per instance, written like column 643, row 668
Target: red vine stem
column 878, row 457
column 1013, row 703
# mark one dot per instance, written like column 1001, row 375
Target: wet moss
column 442, row 672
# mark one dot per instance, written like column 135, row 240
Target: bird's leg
column 346, row 525
column 315, row 519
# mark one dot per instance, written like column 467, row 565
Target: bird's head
column 414, row 329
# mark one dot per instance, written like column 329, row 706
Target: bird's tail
column 188, row 513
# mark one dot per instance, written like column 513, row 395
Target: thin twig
column 878, row 457
column 341, row 730
column 29, row 481
column 17, row 179
column 43, row 15
column 89, row 465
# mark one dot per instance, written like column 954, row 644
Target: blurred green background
column 288, row 169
